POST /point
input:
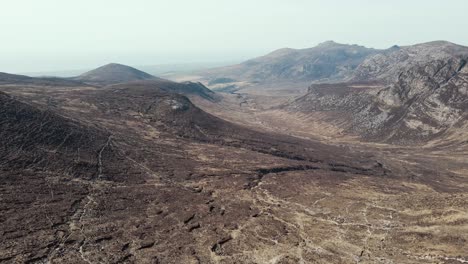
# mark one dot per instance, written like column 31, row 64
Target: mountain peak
column 115, row 66
column 329, row 43
column 113, row 73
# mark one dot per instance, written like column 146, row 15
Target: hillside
column 84, row 168
column 410, row 95
column 153, row 171
column 185, row 88
column 113, row 73
column 327, row 61
column 14, row 79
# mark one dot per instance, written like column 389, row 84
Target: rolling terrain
column 125, row 167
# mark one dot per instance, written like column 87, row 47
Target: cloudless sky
column 46, row 35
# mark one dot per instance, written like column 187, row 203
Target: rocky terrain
column 120, row 169
column 329, row 61
column 387, row 65
column 410, row 95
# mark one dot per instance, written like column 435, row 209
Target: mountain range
column 408, row 94
column 415, row 93
column 326, row 62
column 331, row 154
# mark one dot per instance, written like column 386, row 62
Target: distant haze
column 58, row 35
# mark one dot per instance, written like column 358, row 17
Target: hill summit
column 114, row 73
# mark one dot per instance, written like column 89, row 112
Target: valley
column 334, row 154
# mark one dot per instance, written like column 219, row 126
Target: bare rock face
column 420, row 94
column 388, row 64
column 428, row 95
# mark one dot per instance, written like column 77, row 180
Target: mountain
column 122, row 76
column 145, row 172
column 408, row 95
column 113, row 73
column 387, row 65
column 327, row 61
column 116, row 75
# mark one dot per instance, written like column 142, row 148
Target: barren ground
column 273, row 199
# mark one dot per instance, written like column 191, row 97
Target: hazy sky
column 43, row 35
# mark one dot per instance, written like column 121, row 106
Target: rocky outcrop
column 389, row 64
column 429, row 99
column 421, row 94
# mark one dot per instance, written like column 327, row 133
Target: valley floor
column 432, row 174
column 269, row 200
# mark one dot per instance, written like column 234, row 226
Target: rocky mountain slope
column 328, row 61
column 387, row 65
column 411, row 94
